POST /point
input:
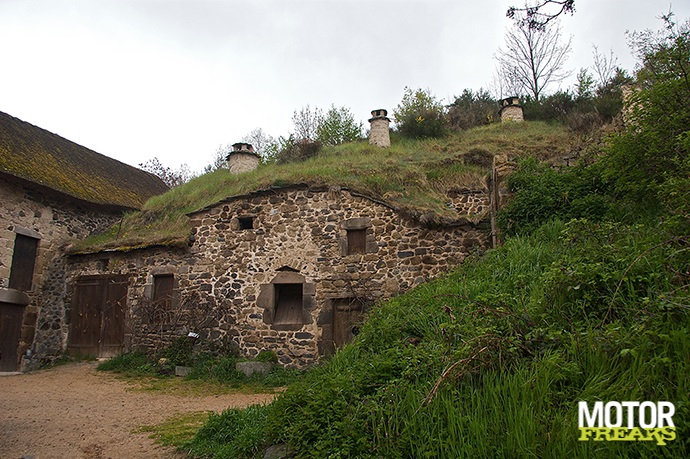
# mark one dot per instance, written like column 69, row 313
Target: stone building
column 242, row 158
column 511, row 110
column 53, row 191
column 379, row 133
column 290, row 270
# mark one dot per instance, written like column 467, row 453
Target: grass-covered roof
column 414, row 177
column 39, row 156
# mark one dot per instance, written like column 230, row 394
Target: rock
column 281, row 451
column 249, row 368
column 182, row 371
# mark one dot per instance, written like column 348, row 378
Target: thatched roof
column 39, row 156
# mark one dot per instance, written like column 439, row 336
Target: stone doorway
column 348, row 314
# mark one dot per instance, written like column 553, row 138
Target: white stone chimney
column 379, row 133
column 511, row 110
column 242, row 158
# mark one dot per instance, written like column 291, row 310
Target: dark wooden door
column 98, row 315
column 11, row 316
column 347, row 318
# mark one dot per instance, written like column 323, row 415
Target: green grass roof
column 39, row 156
column 414, row 177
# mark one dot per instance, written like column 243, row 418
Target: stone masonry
column 379, row 133
column 272, row 270
column 53, row 222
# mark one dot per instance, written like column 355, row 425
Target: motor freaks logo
column 644, row 421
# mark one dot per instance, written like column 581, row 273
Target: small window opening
column 163, row 286
column 356, row 241
column 23, row 262
column 246, row 223
column 288, row 304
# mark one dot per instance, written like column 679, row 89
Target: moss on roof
column 39, row 156
column 413, row 177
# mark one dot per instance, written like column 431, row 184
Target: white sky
column 175, row 79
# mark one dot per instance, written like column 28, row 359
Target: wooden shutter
column 356, row 241
column 288, row 304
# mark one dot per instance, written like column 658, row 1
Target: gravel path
column 73, row 411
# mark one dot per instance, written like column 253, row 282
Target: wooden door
column 98, row 315
column 11, row 316
column 113, row 319
column 347, row 318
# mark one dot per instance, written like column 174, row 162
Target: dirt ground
column 73, row 411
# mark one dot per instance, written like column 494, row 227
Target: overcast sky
column 175, row 79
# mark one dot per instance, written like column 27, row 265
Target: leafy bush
column 420, row 115
column 472, row 109
column 543, row 194
column 337, row 127
column 291, row 150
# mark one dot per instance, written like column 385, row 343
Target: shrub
column 291, row 150
column 337, row 127
column 543, row 194
column 420, row 115
column 472, row 109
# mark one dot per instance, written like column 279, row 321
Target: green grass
column 177, row 430
column 210, row 375
column 411, row 175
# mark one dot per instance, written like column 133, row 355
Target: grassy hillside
column 491, row 360
column 413, row 176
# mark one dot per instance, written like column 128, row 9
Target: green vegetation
column 420, row 115
column 402, row 175
column 491, row 360
column 177, row 430
column 210, row 371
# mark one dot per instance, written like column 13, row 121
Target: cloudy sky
column 175, row 79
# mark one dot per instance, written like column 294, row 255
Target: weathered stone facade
column 52, row 220
column 285, row 270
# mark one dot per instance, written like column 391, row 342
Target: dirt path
column 73, row 411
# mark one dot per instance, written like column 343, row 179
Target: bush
column 544, row 194
column 338, row 127
column 472, row 110
column 420, row 115
column 291, row 150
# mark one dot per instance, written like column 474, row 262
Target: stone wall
column 239, row 162
column 379, row 133
column 54, row 220
column 249, row 254
column 512, row 113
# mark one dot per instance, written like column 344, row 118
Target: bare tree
column 537, row 15
column 604, row 66
column 263, row 143
column 219, row 158
column 171, row 177
column 533, row 59
column 306, row 122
